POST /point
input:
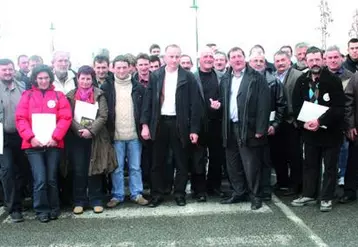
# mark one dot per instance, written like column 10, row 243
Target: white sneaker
column 326, row 206
column 341, row 181
column 303, row 201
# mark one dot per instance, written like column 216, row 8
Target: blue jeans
column 45, row 164
column 343, row 157
column 132, row 150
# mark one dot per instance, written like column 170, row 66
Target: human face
column 43, row 80
column 172, row 57
column 334, row 60
column 154, row 66
column 101, row 70
column 282, row 63
column 122, row 70
column 186, row 63
column 33, row 64
column 143, row 66
column 353, row 51
column 314, row 62
column 155, row 51
column 85, row 81
column 24, row 64
column 220, row 62
column 301, row 54
column 7, row 73
column 237, row 60
column 258, row 63
column 61, row 63
column 206, row 61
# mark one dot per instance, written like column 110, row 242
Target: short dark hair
column 281, row 52
column 37, row 70
column 314, row 49
column 211, row 45
column 353, row 40
column 6, row 61
column 131, row 59
column 86, row 70
column 221, row 53
column 153, row 46
column 121, row 58
column 153, row 59
column 142, row 56
column 236, row 48
column 287, row 46
column 185, row 55
column 36, row 58
column 19, row 57
column 101, row 59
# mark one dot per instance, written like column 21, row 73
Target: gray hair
column 333, row 48
column 301, row 45
column 280, row 52
column 57, row 53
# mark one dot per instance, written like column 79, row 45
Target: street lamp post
column 52, row 30
column 195, row 7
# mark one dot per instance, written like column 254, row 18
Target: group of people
column 234, row 114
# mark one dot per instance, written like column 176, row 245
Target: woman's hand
column 51, row 143
column 85, row 133
column 36, row 143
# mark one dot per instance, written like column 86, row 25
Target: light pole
column 195, row 7
column 52, row 30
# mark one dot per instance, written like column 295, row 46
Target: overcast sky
column 85, row 26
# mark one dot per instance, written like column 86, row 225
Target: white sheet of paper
column 272, row 115
column 311, row 111
column 1, row 138
column 43, row 126
column 84, row 109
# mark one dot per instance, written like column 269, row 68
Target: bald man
column 209, row 80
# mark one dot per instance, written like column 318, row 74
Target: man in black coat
column 244, row 97
column 322, row 137
column 171, row 116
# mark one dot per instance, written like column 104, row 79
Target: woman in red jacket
column 43, row 117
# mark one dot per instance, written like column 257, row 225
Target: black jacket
column 253, row 108
column 351, row 65
column 278, row 99
column 330, row 94
column 187, row 104
column 137, row 98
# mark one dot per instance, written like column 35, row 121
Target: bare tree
column 353, row 33
column 325, row 20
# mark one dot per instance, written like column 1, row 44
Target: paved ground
column 206, row 224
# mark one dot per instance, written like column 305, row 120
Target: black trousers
column 216, row 155
column 146, row 162
column 266, row 189
column 312, row 167
column 286, row 156
column 351, row 176
column 244, row 165
column 197, row 165
column 167, row 135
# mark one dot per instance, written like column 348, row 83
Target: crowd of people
column 70, row 135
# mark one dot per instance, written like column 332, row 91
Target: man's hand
column 36, row 143
column 271, row 131
column 145, row 132
column 215, row 104
column 312, row 125
column 51, row 143
column 194, row 138
column 257, row 135
column 351, row 134
column 85, row 133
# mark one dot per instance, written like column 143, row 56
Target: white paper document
column 1, row 138
column 43, row 126
column 311, row 111
column 272, row 116
column 85, row 112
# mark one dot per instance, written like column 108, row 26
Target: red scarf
column 86, row 95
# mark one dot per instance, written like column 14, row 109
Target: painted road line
column 299, row 222
column 251, row 240
column 2, row 211
column 191, row 209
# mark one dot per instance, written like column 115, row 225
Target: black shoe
column 16, row 217
column 215, row 192
column 156, row 201
column 234, row 199
column 201, row 198
column 291, row 192
column 266, row 197
column 180, row 201
column 256, row 203
column 54, row 215
column 347, row 199
column 43, row 218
